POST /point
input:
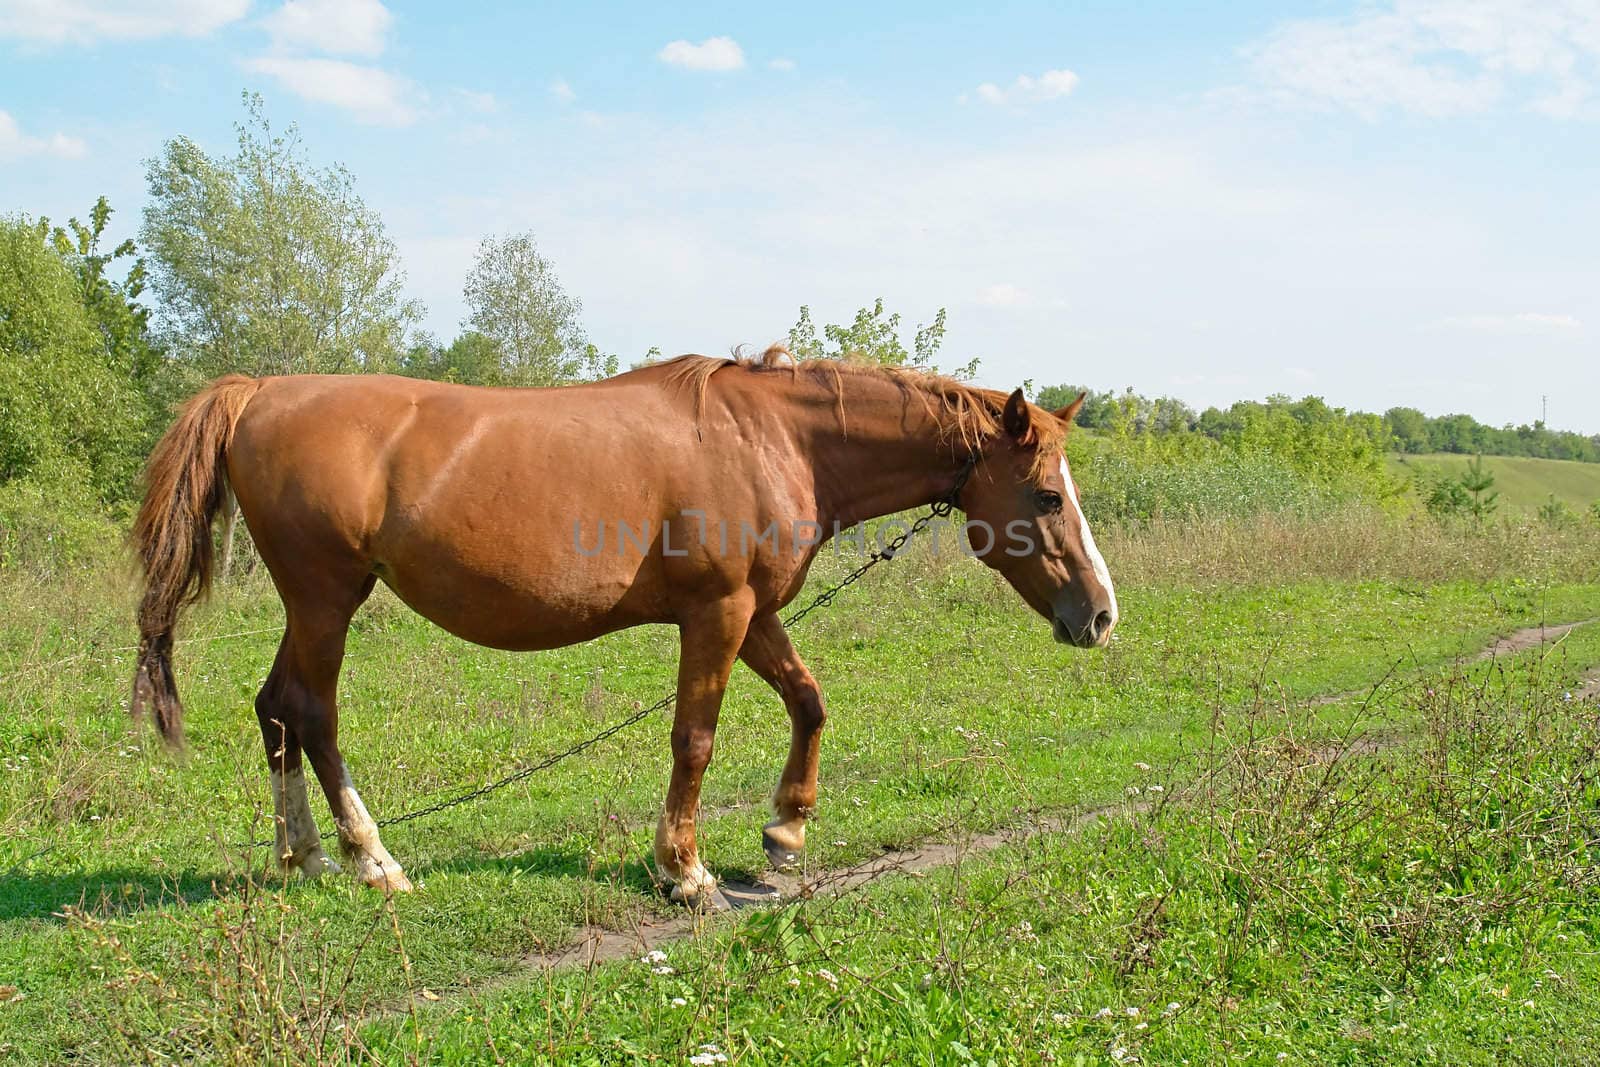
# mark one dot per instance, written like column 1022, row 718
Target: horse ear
column 1070, row 412
column 1016, row 419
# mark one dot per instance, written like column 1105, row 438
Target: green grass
column 951, row 712
column 1523, row 482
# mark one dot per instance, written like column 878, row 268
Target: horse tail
column 185, row 485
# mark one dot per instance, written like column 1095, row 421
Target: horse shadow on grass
column 33, row 896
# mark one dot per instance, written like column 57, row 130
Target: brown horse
column 695, row 492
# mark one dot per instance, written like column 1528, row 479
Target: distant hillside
column 1523, row 483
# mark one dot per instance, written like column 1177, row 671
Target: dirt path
column 596, row 944
column 1504, row 645
column 593, row 945
column 1532, row 637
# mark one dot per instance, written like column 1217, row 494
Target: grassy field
column 1279, row 871
column 1523, row 483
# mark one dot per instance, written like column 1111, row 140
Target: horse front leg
column 768, row 651
column 710, row 637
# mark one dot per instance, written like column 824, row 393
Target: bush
column 1557, row 512
column 45, row 530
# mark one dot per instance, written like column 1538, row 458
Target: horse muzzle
column 1094, row 632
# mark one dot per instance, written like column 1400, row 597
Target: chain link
column 888, row 553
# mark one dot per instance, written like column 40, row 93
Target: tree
column 71, row 351
column 267, row 265
column 1478, row 481
column 518, row 304
column 1447, row 498
column 471, row 359
column 873, row 337
column 1409, row 428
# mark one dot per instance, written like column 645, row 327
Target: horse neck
column 889, row 454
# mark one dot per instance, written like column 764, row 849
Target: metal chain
column 889, row 552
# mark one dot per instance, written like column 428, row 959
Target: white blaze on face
column 1095, row 559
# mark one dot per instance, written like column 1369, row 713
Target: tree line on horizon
column 1400, row 429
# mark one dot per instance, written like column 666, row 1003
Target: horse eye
column 1048, row 502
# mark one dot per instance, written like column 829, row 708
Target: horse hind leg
column 297, row 841
column 768, row 651
column 316, row 640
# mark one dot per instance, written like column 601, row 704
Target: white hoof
column 317, row 863
column 385, row 876
column 695, row 887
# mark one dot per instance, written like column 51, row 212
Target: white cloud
column 562, row 91
column 340, row 27
column 713, row 53
column 369, row 94
column 1438, row 57
column 1524, row 322
column 1047, row 86
column 14, row 144
column 483, row 103
column 87, row 21
column 1003, row 295
column 781, row 63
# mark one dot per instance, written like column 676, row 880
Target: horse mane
column 967, row 413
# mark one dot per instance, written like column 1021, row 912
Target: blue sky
column 1382, row 203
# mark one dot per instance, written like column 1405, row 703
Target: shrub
column 45, row 529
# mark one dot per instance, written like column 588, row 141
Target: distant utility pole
column 1544, row 410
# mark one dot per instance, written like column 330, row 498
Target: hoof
column 316, row 864
column 694, row 887
column 385, row 876
column 311, row 864
column 706, row 900
column 390, row 882
column 782, row 855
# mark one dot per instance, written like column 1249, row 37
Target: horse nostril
column 1101, row 625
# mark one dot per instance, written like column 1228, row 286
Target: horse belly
column 524, row 601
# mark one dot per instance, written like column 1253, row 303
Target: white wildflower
column 1132, row 1012
column 827, row 976
column 1103, row 1013
column 655, row 955
column 1154, row 789
column 1118, row 1053
column 1059, row 1016
column 1142, row 768
column 679, row 1002
column 662, row 969
column 1172, row 1008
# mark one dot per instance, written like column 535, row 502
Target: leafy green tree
column 268, row 265
column 71, row 410
column 471, row 359
column 1098, row 408
column 873, row 336
column 1409, row 428
column 518, row 305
